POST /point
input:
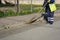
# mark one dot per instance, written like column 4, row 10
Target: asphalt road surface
column 35, row 31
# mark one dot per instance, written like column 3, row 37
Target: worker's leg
column 50, row 17
column 45, row 18
column 46, row 15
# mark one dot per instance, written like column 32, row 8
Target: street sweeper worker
column 50, row 8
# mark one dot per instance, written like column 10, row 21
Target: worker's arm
column 45, row 3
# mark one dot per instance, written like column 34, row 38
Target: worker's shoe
column 42, row 15
column 50, row 22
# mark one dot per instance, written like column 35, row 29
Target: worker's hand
column 44, row 5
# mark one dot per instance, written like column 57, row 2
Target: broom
column 35, row 19
column 32, row 20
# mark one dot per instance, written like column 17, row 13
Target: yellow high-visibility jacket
column 52, row 6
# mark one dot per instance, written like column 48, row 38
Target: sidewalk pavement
column 19, row 19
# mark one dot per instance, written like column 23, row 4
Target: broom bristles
column 30, row 21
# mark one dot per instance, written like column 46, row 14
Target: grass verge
column 25, row 9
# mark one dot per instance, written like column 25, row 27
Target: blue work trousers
column 49, row 16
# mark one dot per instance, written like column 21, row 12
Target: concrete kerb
column 19, row 23
column 57, row 15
